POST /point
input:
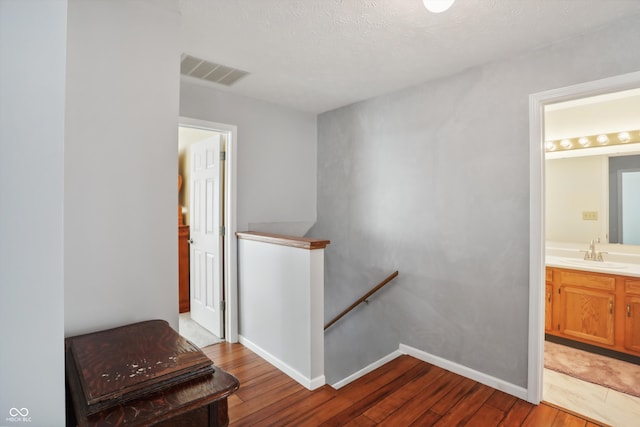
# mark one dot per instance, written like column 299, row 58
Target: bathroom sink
column 593, row 264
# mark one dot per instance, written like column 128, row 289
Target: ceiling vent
column 205, row 70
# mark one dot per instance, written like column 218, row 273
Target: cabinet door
column 587, row 314
column 632, row 323
column 183, row 268
column 548, row 308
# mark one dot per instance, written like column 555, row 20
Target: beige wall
column 575, row 185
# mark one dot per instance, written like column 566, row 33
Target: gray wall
column 434, row 181
column 121, row 164
column 31, row 208
column 276, row 157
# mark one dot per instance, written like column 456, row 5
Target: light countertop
column 608, row 267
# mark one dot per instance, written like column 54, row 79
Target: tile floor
column 194, row 332
column 591, row 400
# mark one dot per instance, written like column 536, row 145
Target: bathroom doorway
column 543, row 383
column 192, row 133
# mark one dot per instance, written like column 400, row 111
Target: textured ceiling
column 317, row 55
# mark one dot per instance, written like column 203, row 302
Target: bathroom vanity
column 596, row 303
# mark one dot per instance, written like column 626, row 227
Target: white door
column 206, row 236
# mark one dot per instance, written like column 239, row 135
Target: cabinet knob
column 628, row 310
column 190, row 241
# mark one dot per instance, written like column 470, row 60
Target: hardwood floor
column 404, row 392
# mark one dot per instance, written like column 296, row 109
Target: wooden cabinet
column 632, row 315
column 587, row 314
column 548, row 307
column 586, row 305
column 594, row 308
column 632, row 324
column 183, row 269
column 548, row 301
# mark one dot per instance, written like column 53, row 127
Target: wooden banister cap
column 279, row 239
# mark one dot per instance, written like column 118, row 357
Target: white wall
column 281, row 300
column 277, row 154
column 31, row 208
column 572, row 186
column 121, row 163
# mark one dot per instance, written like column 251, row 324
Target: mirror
column 593, row 192
column 624, row 200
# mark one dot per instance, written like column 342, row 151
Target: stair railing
column 362, row 299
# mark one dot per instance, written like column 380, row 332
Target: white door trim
column 537, row 102
column 230, row 266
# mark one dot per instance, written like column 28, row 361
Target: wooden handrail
column 362, row 299
column 279, row 239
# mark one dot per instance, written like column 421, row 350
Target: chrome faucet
column 592, row 254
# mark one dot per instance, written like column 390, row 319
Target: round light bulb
column 624, row 137
column 550, row 146
column 566, row 143
column 437, row 6
column 584, row 141
column 603, row 139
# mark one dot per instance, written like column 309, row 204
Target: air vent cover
column 205, row 70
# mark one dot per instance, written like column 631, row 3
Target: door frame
column 537, row 102
column 230, row 264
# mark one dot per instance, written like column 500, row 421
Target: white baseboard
column 362, row 372
column 465, row 371
column 309, row 383
column 314, row 383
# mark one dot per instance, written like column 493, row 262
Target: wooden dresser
column 183, row 268
column 143, row 374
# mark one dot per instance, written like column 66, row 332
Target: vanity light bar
column 614, row 138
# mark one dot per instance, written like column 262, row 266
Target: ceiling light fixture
column 437, row 6
column 624, row 137
column 627, row 137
